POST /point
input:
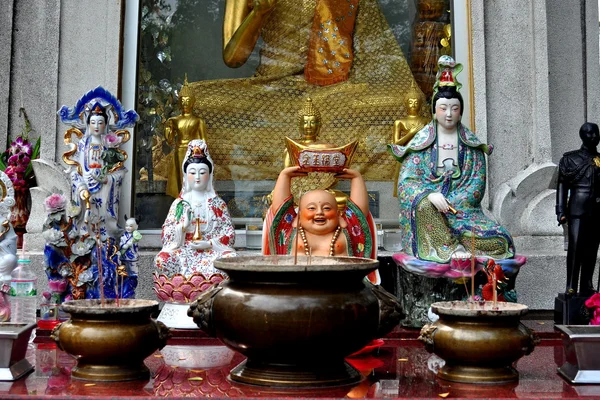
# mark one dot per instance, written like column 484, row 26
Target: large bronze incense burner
column 110, row 341
column 479, row 341
column 296, row 322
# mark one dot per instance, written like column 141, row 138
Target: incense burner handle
column 390, row 310
column 55, row 333
column 426, row 336
column 201, row 310
column 533, row 339
column 164, row 333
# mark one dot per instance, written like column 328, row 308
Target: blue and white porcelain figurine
column 82, row 233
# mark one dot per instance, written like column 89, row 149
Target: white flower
column 73, row 210
column 53, row 236
column 81, row 248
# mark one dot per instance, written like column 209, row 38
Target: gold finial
column 185, row 89
column 309, row 110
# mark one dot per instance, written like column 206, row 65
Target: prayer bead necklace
column 331, row 246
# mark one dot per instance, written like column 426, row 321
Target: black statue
column 579, row 182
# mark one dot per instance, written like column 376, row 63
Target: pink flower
column 593, row 301
column 594, row 304
column 20, row 146
column 111, row 140
column 57, row 285
column 55, row 202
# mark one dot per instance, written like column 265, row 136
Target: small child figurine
column 129, row 246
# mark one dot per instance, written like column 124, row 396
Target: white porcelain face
column 198, row 176
column 447, row 113
column 97, row 125
column 131, row 225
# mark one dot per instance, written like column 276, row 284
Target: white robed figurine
column 197, row 231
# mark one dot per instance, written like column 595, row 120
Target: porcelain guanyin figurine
column 81, row 231
column 8, row 243
column 440, row 188
column 198, row 229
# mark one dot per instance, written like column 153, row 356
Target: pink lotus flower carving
column 180, row 289
column 57, row 285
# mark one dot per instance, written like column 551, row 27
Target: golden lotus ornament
column 326, row 159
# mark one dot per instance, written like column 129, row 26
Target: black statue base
column 571, row 310
column 416, row 294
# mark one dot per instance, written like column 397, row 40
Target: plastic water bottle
column 23, row 293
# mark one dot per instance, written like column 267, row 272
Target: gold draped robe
column 248, row 118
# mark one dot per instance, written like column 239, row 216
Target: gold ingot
column 316, row 158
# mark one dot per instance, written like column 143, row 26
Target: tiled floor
column 401, row 368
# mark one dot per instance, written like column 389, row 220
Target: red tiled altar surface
column 400, row 369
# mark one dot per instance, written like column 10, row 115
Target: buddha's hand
column 262, row 6
column 439, row 201
column 200, row 245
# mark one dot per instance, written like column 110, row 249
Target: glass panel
column 248, row 118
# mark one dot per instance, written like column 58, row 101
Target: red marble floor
column 401, row 368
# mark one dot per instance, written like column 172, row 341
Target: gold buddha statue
column 309, row 124
column 406, row 128
column 249, row 117
column 179, row 131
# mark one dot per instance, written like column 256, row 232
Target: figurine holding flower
column 129, row 251
column 83, row 254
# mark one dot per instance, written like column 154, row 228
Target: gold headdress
column 185, row 89
column 413, row 93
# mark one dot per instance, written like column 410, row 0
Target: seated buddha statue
column 179, row 131
column 405, row 128
column 340, row 53
column 309, row 122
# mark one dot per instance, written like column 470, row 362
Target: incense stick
column 473, row 263
column 297, row 231
column 296, row 244
column 495, row 292
column 100, row 269
column 272, row 248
